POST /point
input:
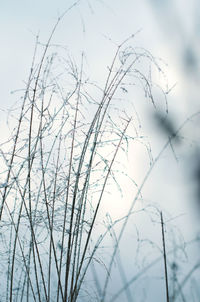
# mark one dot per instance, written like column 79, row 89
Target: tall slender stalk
column 164, row 257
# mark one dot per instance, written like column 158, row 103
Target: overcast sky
column 168, row 29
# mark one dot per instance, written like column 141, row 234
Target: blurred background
column 170, row 31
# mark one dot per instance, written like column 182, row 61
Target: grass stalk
column 164, row 257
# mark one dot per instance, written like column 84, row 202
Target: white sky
column 169, row 29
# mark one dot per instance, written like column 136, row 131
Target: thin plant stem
column 164, row 257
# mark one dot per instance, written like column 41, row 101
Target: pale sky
column 168, row 29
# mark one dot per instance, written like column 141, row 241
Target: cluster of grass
column 62, row 153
